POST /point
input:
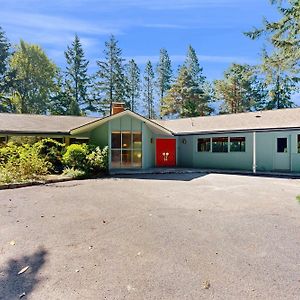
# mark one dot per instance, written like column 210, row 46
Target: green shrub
column 52, row 151
column 24, row 164
column 76, row 156
column 97, row 161
column 71, row 172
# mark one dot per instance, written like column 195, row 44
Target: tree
column 186, row 98
column 193, row 67
column 149, row 90
column 134, row 81
column 281, row 83
column 111, row 85
column 284, row 33
column 164, row 74
column 5, row 105
column 34, row 78
column 77, row 79
column 240, row 90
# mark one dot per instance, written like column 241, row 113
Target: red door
column 165, row 152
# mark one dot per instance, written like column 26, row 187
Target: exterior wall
column 267, row 158
column 99, row 136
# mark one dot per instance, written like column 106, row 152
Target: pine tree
column 281, row 83
column 284, row 33
column 5, row 83
column 134, row 81
column 164, row 74
column 193, row 67
column 186, row 98
column 77, row 79
column 111, row 85
column 149, row 90
column 240, row 90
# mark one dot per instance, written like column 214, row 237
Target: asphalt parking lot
column 170, row 236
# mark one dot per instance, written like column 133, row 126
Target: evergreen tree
column 134, row 81
column 281, row 83
column 240, row 90
column 77, row 79
column 5, row 77
column 111, row 85
column 34, row 79
column 284, row 33
column 186, row 98
column 164, row 74
column 193, row 67
column 149, row 90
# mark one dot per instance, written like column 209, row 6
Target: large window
column 126, row 149
column 237, row 144
column 204, row 145
column 220, row 144
column 298, row 143
column 282, row 145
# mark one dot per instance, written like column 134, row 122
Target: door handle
column 165, row 155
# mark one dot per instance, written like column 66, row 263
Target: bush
column 98, row 160
column 76, row 156
column 24, row 163
column 76, row 174
column 52, row 151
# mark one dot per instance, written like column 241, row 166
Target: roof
column 264, row 120
column 24, row 123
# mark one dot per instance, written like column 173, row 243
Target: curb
column 32, row 183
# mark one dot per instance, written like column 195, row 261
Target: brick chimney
column 117, row 107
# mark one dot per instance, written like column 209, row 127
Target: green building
column 254, row 141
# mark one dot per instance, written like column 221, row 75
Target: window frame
column 225, row 140
column 208, row 141
column 241, row 149
column 133, row 150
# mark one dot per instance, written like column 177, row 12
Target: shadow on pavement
column 12, row 285
column 166, row 176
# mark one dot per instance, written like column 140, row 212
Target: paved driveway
column 154, row 237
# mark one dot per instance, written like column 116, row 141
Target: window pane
column 78, row 141
column 298, row 143
column 126, row 158
column 137, row 140
column 204, row 145
column 2, row 140
column 282, row 145
column 220, row 144
column 237, row 144
column 116, row 140
column 137, row 158
column 126, row 140
column 116, row 158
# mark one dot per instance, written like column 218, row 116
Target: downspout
column 254, row 153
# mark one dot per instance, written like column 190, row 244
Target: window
column 204, row 145
column 298, row 143
column 126, row 149
column 282, row 145
column 237, row 144
column 220, row 144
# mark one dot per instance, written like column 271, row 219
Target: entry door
column 282, row 153
column 165, row 152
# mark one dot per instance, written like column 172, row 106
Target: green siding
column 99, row 136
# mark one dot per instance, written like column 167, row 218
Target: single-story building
column 258, row 141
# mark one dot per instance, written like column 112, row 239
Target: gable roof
column 25, row 123
column 264, row 120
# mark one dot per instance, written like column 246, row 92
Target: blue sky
column 213, row 27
